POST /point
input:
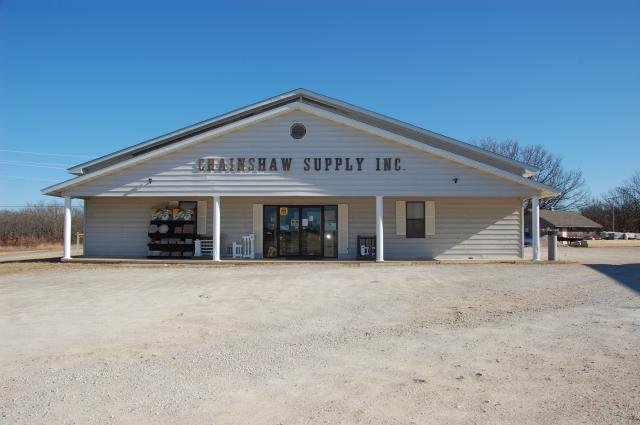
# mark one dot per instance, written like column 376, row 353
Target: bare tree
column 621, row 204
column 36, row 224
column 570, row 183
column 632, row 187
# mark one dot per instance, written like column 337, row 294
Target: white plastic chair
column 237, row 250
column 248, row 246
column 246, row 249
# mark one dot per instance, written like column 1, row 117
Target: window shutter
column 201, row 218
column 401, row 218
column 430, row 218
column 257, row 229
column 343, row 229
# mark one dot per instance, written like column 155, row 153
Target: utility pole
column 613, row 218
column 613, row 214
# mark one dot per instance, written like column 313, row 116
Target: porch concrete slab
column 230, row 262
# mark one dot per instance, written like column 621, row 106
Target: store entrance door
column 289, row 232
column 311, row 231
column 300, row 231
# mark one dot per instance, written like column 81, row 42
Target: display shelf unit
column 366, row 246
column 173, row 243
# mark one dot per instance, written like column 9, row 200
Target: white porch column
column 379, row 229
column 216, row 228
column 535, row 228
column 67, row 228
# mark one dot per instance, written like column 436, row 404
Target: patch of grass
column 54, row 264
column 17, row 267
column 34, row 247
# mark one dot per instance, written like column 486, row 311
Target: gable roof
column 320, row 101
column 558, row 218
column 235, row 120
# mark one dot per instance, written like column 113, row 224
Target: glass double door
column 300, row 231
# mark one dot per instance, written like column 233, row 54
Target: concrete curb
column 350, row 263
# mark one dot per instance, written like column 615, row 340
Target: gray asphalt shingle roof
column 558, row 218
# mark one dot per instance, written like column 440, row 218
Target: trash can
column 552, row 248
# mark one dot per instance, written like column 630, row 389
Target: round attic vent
column 298, row 131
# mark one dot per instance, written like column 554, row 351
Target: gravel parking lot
column 325, row 343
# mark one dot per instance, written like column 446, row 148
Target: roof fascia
column 78, row 169
column 545, row 191
column 528, row 170
column 52, row 190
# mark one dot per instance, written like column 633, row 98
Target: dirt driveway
column 13, row 255
column 296, row 344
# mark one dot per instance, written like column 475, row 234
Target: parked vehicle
column 617, row 235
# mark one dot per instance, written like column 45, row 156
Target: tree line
column 37, row 224
column 569, row 182
column 43, row 223
column 619, row 209
column 620, row 205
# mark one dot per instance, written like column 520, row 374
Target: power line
column 29, row 164
column 13, row 161
column 38, row 206
column 27, row 178
column 45, row 153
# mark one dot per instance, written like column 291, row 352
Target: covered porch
column 118, row 228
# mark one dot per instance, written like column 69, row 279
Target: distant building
column 570, row 225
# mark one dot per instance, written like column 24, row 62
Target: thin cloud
column 31, row 164
column 45, row 153
column 27, row 178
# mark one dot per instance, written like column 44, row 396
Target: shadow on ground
column 33, row 260
column 625, row 274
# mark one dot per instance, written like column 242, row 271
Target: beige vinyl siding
column 465, row 227
column 422, row 174
column 119, row 227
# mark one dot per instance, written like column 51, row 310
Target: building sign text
column 323, row 164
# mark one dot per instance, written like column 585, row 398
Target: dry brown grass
column 36, row 224
column 17, row 267
column 36, row 247
column 50, row 264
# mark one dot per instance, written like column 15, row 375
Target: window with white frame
column 415, row 219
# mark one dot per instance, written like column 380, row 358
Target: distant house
column 569, row 224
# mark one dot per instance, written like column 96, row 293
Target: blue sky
column 86, row 78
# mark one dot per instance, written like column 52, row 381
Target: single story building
column 302, row 175
column 570, row 225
